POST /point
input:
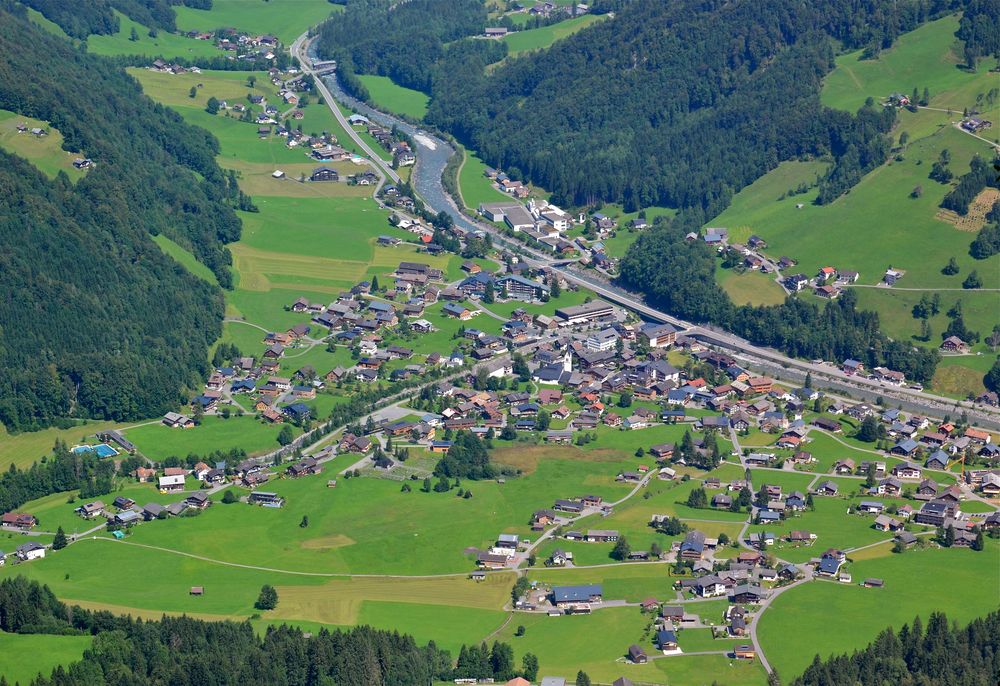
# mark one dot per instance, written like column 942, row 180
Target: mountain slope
column 99, row 322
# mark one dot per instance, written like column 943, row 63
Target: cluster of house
column 246, row 46
column 125, row 512
column 402, row 154
column 938, row 444
column 976, row 124
column 165, row 67
column 549, row 9
column 828, row 282
column 546, row 224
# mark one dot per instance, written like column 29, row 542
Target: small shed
column 197, row 590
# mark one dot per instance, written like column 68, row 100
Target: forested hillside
column 380, row 37
column 99, row 322
column 80, row 18
column 941, row 655
column 679, row 104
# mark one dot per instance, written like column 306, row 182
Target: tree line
column 61, row 472
column 104, row 324
column 943, row 654
column 182, row 650
column 678, row 276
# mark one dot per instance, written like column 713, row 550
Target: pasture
column 392, row 97
column 540, row 38
column 596, row 644
column 355, row 527
column 25, row 656
column 285, row 19
column 45, row 152
column 799, row 623
column 165, row 44
column 473, row 184
column 750, row 287
column 929, row 56
column 158, row 441
column 184, row 258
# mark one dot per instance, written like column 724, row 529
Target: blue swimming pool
column 102, row 450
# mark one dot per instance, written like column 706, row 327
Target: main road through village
column 433, row 154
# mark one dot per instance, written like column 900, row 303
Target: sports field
column 158, row 441
column 395, row 98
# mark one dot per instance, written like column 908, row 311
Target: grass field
column 930, row 56
column 799, row 623
column 596, row 644
column 27, row 656
column 285, row 19
column 474, row 185
column 184, row 258
column 537, row 39
column 750, row 288
column 353, row 527
column 395, row 98
column 45, row 152
column 24, row 448
column 166, row 45
column 158, row 441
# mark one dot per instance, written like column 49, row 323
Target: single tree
column 193, row 92
column 972, row 280
column 212, row 106
column 621, row 550
column 951, row 268
column 305, row 522
column 286, row 435
column 529, row 666
column 59, row 542
column 229, row 497
column 268, row 598
column 582, row 679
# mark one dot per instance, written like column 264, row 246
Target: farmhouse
column 575, row 595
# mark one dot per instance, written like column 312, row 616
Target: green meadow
column 750, row 287
column 597, row 644
column 473, row 184
column 879, row 224
column 45, row 152
column 395, row 98
column 830, row 618
column 928, row 57
column 184, row 258
column 25, row 656
column 158, row 441
column 165, row 44
column 537, row 39
column 286, row 19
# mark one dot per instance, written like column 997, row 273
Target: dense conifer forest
column 100, row 322
column 940, row 655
